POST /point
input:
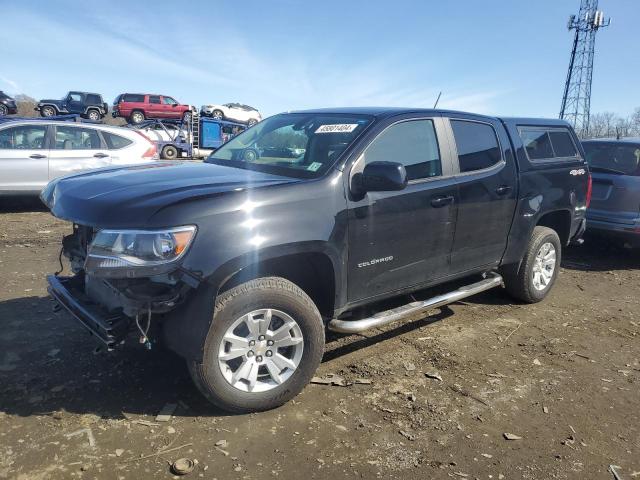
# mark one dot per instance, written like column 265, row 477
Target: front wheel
column 264, row 344
column 217, row 115
column 538, row 271
column 3, row 110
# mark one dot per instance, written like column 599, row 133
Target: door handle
column 100, row 155
column 441, row 201
column 503, row 189
column 37, row 155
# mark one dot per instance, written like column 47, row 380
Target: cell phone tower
column 576, row 101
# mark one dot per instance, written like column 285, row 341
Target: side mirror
column 381, row 177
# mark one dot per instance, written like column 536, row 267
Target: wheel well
column 312, row 272
column 560, row 221
column 49, row 105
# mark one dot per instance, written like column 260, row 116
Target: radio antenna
column 437, row 100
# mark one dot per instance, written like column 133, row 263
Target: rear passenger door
column 486, row 179
column 402, row 239
column 155, row 107
column 75, row 149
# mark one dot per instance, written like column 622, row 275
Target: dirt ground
column 430, row 399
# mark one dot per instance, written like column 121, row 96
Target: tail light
column 152, row 151
column 589, row 190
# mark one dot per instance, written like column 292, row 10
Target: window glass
column 115, row 141
column 169, row 101
column 412, row 144
column 133, row 97
column 75, row 138
column 26, row 137
column 477, row 145
column 93, row 100
column 299, row 145
column 613, row 157
column 537, row 143
column 75, row 97
column 154, row 98
column 547, row 143
column 562, row 143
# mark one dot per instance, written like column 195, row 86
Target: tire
column 217, row 114
column 527, row 282
column 169, row 152
column 250, row 155
column 47, row 111
column 3, row 110
column 186, row 118
column 252, row 122
column 93, row 115
column 136, row 117
column 284, row 300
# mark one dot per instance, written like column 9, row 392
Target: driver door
column 402, row 239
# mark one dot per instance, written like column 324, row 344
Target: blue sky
column 494, row 56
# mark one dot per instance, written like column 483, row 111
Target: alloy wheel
column 260, row 350
column 544, row 266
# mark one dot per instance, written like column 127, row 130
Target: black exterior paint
column 69, row 106
column 247, row 218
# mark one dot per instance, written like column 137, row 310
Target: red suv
column 136, row 107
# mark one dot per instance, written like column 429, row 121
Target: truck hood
column 129, row 196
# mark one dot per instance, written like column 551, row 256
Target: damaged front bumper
column 110, row 311
column 107, row 327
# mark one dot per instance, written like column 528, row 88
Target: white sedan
column 234, row 112
column 34, row 152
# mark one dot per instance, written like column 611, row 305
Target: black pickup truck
column 87, row 105
column 239, row 263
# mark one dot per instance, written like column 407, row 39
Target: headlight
column 136, row 253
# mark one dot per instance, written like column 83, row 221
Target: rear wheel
column 93, row 115
column 538, row 271
column 169, row 152
column 264, row 344
column 47, row 111
column 137, row 117
column 252, row 122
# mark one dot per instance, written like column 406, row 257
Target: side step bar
column 383, row 318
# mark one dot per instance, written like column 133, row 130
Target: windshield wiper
column 596, row 168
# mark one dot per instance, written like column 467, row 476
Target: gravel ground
column 433, row 398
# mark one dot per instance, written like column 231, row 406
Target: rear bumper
column 110, row 329
column 630, row 233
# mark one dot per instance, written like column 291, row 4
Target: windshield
column 617, row 157
column 292, row 144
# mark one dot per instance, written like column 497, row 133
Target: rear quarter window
column 548, row 143
column 94, row 100
column 132, row 97
column 114, row 141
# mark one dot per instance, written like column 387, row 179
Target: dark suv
column 240, row 263
column 7, row 104
column 87, row 105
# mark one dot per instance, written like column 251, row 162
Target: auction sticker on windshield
column 337, row 128
column 314, row 167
